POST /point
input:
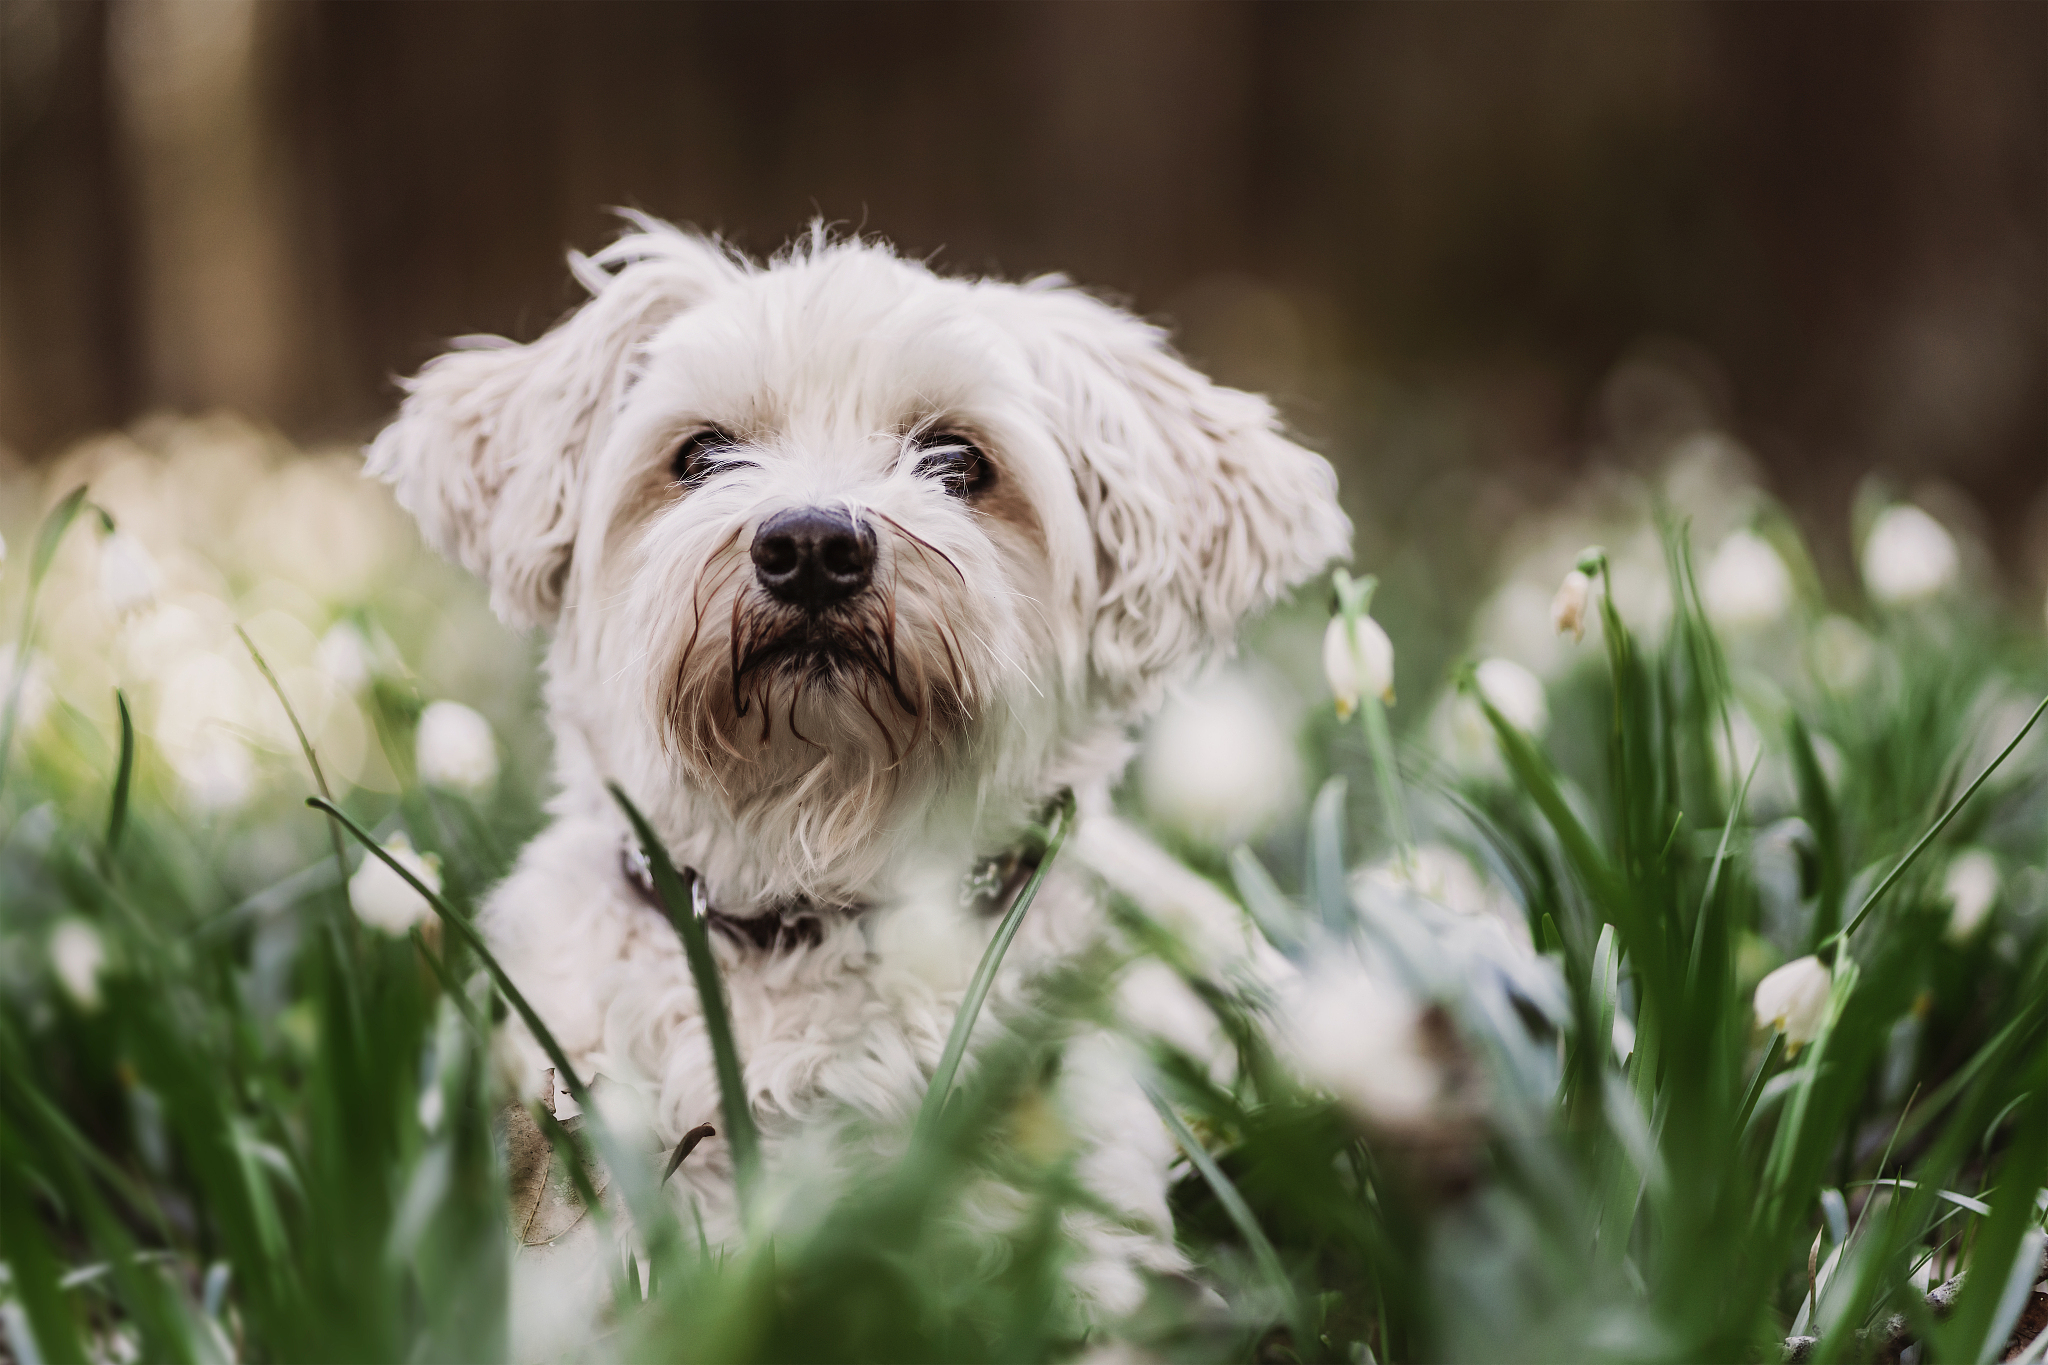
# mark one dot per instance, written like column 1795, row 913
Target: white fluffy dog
column 849, row 567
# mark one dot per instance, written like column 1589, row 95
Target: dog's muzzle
column 813, row 557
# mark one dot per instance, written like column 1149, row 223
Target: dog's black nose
column 811, row 557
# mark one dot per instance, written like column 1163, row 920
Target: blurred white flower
column 1971, row 888
column 383, row 899
column 1568, row 608
column 1746, row 583
column 344, row 655
column 1794, row 998
column 215, row 771
column 77, row 956
column 1361, row 668
column 1909, row 556
column 1842, row 652
column 1363, row 1039
column 1219, row 763
column 3, row 552
column 1440, row 873
column 1516, row 693
column 128, row 576
column 35, row 688
column 455, row 748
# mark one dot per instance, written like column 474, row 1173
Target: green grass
column 277, row 1134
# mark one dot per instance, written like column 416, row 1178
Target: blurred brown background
column 1438, row 232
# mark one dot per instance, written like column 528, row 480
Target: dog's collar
column 989, row 888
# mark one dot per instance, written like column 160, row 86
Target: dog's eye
column 956, row 462
column 692, row 458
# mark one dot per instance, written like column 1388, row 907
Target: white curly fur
column 1138, row 512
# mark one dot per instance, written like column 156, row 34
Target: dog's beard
column 765, row 702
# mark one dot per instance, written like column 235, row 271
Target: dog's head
column 826, row 540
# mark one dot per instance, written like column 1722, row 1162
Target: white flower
column 386, row 900
column 1794, row 998
column 128, row 576
column 3, row 552
column 215, row 771
column 1220, row 765
column 1568, row 608
column 1842, row 652
column 344, row 655
column 1439, row 873
column 1746, row 583
column 1364, row 667
column 1361, row 1038
column 1909, row 556
column 77, row 956
column 455, row 748
column 36, row 694
column 1971, row 889
column 1516, row 693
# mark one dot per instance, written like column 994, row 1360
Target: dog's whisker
column 924, row 544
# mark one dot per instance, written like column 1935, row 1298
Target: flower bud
column 1357, row 667
column 1794, row 998
column 383, row 899
column 77, row 956
column 1971, row 888
column 455, row 748
column 128, row 576
column 1746, row 583
column 1568, row 608
column 1909, row 556
column 344, row 655
column 1516, row 693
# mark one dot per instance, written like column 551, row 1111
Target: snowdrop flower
column 1568, row 608
column 1516, row 693
column 1365, row 1042
column 36, row 694
column 1794, row 999
column 1971, row 889
column 1842, row 652
column 344, row 655
column 77, row 956
column 383, row 899
column 215, row 771
column 128, row 576
column 1909, row 556
column 1747, row 583
column 1441, row 874
column 455, row 748
column 1219, row 764
column 1360, row 667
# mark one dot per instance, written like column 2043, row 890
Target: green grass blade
column 1240, row 1213
column 1699, row 925
column 1756, row 1082
column 1060, row 823
column 1872, row 899
column 117, row 813
column 51, row 533
column 677, row 902
column 48, row 535
column 2005, row 1260
column 31, row 1261
column 653, row 1218
column 460, row 926
column 1817, row 803
column 1276, row 916
column 305, row 745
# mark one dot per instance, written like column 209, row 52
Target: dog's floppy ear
column 489, row 448
column 1202, row 510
